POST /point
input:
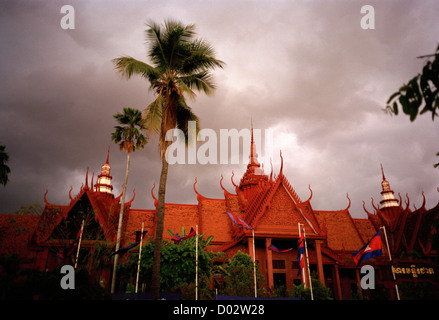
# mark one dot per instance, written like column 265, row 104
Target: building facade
column 267, row 203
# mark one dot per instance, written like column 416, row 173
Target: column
column 319, row 261
column 337, row 282
column 357, row 275
column 269, row 255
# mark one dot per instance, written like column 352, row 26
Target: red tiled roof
column 341, row 230
column 15, row 233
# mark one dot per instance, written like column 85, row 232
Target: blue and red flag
column 72, row 246
column 275, row 249
column 177, row 239
column 122, row 251
column 301, row 253
column 237, row 220
column 370, row 250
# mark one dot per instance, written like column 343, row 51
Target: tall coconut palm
column 181, row 64
column 130, row 138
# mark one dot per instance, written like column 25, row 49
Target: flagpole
column 138, row 262
column 307, row 263
column 196, row 262
column 254, row 263
column 390, row 260
column 303, row 273
column 79, row 244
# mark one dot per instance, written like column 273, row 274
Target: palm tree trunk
column 119, row 228
column 155, row 283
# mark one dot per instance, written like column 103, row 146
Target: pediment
column 69, row 226
column 283, row 214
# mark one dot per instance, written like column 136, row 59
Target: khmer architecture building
column 266, row 202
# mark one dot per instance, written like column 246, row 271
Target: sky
column 305, row 70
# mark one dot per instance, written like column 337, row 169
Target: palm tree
column 181, row 64
column 130, row 138
column 4, row 169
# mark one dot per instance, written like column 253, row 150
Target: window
column 278, row 264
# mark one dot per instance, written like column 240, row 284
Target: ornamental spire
column 254, row 173
column 103, row 183
column 253, row 163
column 387, row 194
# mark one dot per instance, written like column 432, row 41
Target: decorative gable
column 283, row 214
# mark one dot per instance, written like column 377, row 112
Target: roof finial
column 382, row 171
column 108, row 155
column 86, row 180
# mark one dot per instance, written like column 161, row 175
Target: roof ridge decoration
column 222, row 187
column 70, row 194
column 45, row 199
column 349, row 205
column 128, row 204
column 119, row 196
column 153, row 196
column 231, row 178
column 310, row 196
column 199, row 196
column 86, row 180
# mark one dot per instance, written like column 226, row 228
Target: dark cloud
column 305, row 69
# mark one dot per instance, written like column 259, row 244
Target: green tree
column 178, row 263
column 181, row 64
column 420, row 94
column 4, row 169
column 130, row 138
column 239, row 276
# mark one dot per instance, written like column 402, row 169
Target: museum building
column 268, row 204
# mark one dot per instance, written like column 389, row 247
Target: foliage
column 177, row 263
column 180, row 64
column 421, row 90
column 129, row 137
column 238, row 276
column 420, row 94
column 26, row 284
column 4, row 169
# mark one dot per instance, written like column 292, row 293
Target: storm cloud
column 304, row 69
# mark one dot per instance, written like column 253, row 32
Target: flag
column 371, row 249
column 122, row 251
column 177, row 239
column 273, row 248
column 59, row 255
column 72, row 246
column 237, row 220
column 300, row 253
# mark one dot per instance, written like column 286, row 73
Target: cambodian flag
column 177, row 239
column 371, row 249
column 122, row 251
column 237, row 220
column 275, row 249
column 300, row 253
column 72, row 246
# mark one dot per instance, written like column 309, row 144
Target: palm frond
column 184, row 115
column 202, row 81
column 127, row 66
column 152, row 115
column 129, row 137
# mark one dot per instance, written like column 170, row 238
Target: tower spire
column 108, row 155
column 103, row 183
column 387, row 194
column 254, row 173
column 253, row 163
